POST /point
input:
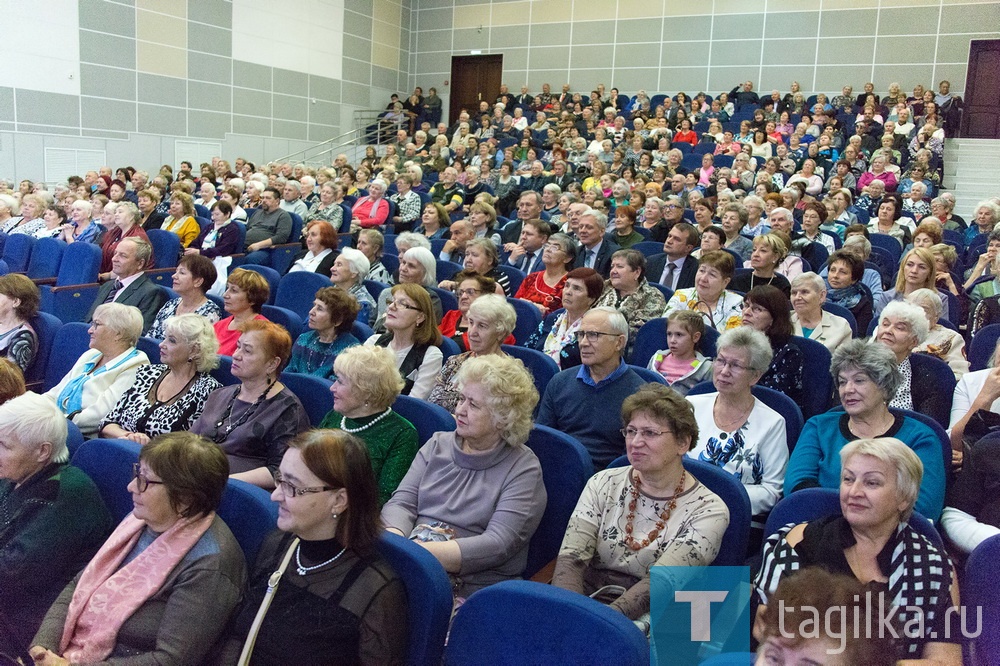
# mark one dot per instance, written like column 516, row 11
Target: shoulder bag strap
column 272, row 588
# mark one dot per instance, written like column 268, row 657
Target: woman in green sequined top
column 367, row 384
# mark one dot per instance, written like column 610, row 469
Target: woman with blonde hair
column 181, row 220
column 474, row 497
column 916, row 271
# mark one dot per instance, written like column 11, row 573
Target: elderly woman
column 941, row 341
column 194, row 276
column 914, row 203
column 320, row 250
column 734, row 218
column 769, row 251
column 980, row 290
column 407, row 203
column 181, row 220
column 916, row 271
column 371, row 242
column 327, row 208
column 54, row 517
column 867, row 376
column 474, row 497
column 124, row 223
column 890, row 209
column 32, row 208
column 18, row 306
column 483, row 218
column 767, row 310
column 348, row 271
column 372, row 210
column 491, row 320
column 417, row 266
column 342, row 598
column 649, row 512
column 82, row 228
column 878, row 171
column 810, row 320
column 721, row 309
column 985, row 218
column 411, row 334
column 844, row 273
column 469, row 286
column 625, row 235
column 434, row 222
column 221, row 239
column 245, row 295
column 544, row 288
column 879, row 479
column 330, row 321
column 630, row 293
column 902, row 328
column 736, row 431
column 168, row 396
column 8, row 213
column 366, row 385
column 254, row 420
column 182, row 575
column 103, row 373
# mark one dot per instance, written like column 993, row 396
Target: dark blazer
column 142, row 293
column 227, row 243
column 154, row 221
column 324, row 266
column 656, row 264
column 602, row 262
column 563, row 181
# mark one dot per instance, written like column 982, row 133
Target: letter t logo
column 701, row 617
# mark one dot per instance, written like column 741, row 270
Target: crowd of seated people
column 609, row 218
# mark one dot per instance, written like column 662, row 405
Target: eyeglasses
column 647, row 434
column 555, row 247
column 391, row 302
column 593, row 336
column 141, row 480
column 723, row 363
column 469, row 292
column 293, row 491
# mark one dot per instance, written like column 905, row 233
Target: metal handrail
column 352, row 139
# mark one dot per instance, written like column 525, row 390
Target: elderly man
column 130, row 285
column 447, row 191
column 599, row 386
column 845, row 100
column 595, row 248
column 675, row 268
column 743, row 94
column 537, row 179
column 560, row 175
column 529, row 207
column 268, row 226
column 52, row 518
column 291, row 201
column 454, row 248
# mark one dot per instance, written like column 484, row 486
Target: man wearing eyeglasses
column 585, row 402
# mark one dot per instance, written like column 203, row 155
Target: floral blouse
column 728, row 312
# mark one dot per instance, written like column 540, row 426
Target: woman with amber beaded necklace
column 648, row 512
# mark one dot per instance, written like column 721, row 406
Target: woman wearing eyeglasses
column 253, row 421
column 649, row 512
column 162, row 587
column 337, row 600
column 737, row 432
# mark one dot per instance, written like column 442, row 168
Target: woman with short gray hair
column 810, row 320
column 867, row 376
column 941, row 341
column 736, row 431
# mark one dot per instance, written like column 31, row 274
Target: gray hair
column 752, row 341
column 891, row 451
column 792, row 192
column 616, row 320
column 408, row 239
column 912, row 314
column 197, row 332
column 357, row 261
column 427, row 260
column 988, row 205
column 567, row 244
column 876, row 361
column 294, row 185
column 33, row 419
column 866, row 245
column 553, row 188
column 811, row 279
column 306, row 180
column 10, row 203
column 495, row 310
column 85, row 206
column 930, row 297
column 124, row 320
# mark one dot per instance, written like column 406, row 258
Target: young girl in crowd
column 682, row 363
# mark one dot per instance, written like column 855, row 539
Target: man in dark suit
column 529, row 207
column 675, row 268
column 131, row 286
column 560, row 176
column 565, row 97
column 595, row 249
column 526, row 254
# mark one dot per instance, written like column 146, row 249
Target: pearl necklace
column 303, row 570
column 343, row 422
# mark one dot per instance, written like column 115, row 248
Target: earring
column 335, row 515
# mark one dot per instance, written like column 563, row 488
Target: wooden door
column 473, row 79
column 981, row 117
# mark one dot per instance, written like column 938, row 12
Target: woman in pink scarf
column 168, row 577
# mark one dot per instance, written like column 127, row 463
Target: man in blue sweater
column 586, row 402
